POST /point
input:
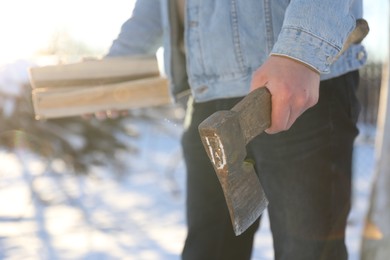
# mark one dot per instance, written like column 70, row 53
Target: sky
column 28, row 26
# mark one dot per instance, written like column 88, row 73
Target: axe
column 225, row 135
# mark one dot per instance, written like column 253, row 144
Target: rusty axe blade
column 225, row 135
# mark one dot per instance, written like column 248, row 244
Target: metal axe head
column 224, row 136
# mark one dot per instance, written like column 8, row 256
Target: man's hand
column 294, row 88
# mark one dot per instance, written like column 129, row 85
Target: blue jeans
column 306, row 175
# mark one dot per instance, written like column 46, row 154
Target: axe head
column 224, row 138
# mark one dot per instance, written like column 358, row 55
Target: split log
column 97, row 85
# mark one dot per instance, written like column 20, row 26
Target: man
column 221, row 50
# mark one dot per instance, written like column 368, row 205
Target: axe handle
column 254, row 113
column 356, row 36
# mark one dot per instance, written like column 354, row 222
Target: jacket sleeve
column 141, row 33
column 314, row 31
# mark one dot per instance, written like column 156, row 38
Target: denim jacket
column 226, row 41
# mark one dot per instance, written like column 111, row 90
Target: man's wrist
column 298, row 61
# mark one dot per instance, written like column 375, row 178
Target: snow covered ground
column 138, row 215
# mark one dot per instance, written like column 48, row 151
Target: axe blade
column 225, row 135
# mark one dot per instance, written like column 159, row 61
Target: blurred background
column 77, row 189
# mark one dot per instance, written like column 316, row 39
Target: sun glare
column 27, row 27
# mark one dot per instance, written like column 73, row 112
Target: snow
column 108, row 216
column 136, row 215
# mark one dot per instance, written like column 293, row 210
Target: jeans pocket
column 350, row 99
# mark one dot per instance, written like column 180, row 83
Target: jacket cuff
column 306, row 48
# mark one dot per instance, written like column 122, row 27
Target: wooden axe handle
column 254, row 113
column 356, row 36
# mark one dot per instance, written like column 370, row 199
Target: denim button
column 329, row 60
column 360, row 55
